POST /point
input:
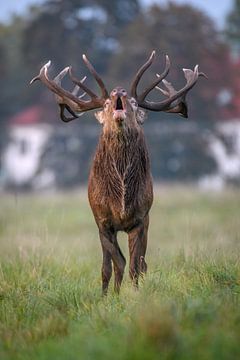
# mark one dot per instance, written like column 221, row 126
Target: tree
column 233, row 27
column 63, row 30
column 12, row 68
column 232, row 33
column 189, row 37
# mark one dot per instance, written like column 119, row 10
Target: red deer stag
column 120, row 184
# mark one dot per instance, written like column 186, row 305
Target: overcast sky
column 217, row 9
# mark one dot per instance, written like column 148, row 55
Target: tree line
column 118, row 36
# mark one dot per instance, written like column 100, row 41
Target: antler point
column 48, row 63
column 33, row 80
column 167, row 61
column 203, row 74
column 153, row 54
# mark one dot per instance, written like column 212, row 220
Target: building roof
column 29, row 116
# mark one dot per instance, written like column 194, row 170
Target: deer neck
column 121, row 142
column 121, row 167
column 120, row 152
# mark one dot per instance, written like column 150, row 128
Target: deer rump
column 120, row 186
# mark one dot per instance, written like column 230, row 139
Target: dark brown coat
column 120, row 195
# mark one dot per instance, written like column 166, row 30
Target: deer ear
column 99, row 117
column 141, row 116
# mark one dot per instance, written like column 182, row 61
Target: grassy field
column 50, row 286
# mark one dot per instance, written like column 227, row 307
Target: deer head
column 118, row 109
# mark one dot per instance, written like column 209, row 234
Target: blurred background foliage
column 118, row 36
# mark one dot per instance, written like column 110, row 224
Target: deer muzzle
column 119, row 112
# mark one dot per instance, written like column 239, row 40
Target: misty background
column 39, row 152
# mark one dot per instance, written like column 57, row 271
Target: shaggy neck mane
column 121, row 165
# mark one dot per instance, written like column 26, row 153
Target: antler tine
column 63, row 106
column 82, row 95
column 40, row 75
column 180, row 106
column 96, row 76
column 64, row 117
column 60, row 76
column 62, row 114
column 140, row 73
column 77, row 88
column 81, row 85
column 156, row 82
column 58, row 81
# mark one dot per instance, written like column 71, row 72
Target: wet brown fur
column 120, row 195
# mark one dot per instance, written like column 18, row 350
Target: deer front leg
column 106, row 270
column 137, row 240
column 118, row 271
column 112, row 252
column 143, row 264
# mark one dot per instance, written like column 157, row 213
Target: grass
column 50, row 286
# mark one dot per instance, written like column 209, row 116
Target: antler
column 74, row 104
column 176, row 100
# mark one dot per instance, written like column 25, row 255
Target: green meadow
column 187, row 307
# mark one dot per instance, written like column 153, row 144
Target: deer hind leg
column 112, row 252
column 118, row 271
column 137, row 240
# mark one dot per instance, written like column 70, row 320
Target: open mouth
column 119, row 104
column 119, row 113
